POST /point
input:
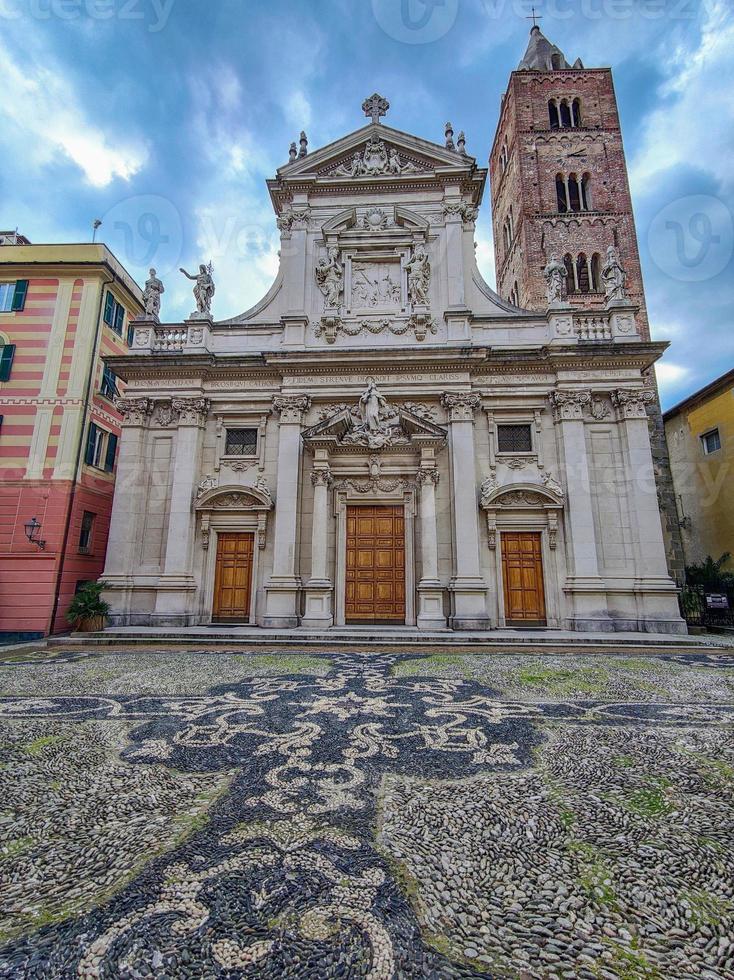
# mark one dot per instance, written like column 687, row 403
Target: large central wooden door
column 522, row 574
column 233, row 578
column 375, row 565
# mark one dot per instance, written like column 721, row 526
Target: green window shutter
column 109, row 306
column 109, row 463
column 91, row 438
column 119, row 318
column 21, row 291
column 7, row 353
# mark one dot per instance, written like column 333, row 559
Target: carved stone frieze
column 375, row 485
column 599, row 408
column 376, row 219
column 460, row 405
column 329, row 327
column 375, row 160
column 134, row 411
column 239, row 465
column 291, row 407
column 163, row 413
column 569, row 405
column 630, row 403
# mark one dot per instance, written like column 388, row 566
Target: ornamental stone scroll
column 134, row 411
column 291, row 408
column 460, row 405
column 630, row 403
column 191, row 411
column 569, row 406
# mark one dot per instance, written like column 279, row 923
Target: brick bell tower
column 559, row 185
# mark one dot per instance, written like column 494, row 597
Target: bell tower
column 559, row 187
column 559, row 181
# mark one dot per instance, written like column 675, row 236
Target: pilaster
column 319, row 589
column 584, row 583
column 281, row 608
column 468, row 588
column 430, row 593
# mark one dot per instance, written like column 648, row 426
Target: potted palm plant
column 88, row 610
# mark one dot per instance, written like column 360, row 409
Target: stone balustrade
column 171, row 338
column 593, row 326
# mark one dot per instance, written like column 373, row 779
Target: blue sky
column 164, row 118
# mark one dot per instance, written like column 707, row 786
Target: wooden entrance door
column 375, row 565
column 522, row 574
column 233, row 578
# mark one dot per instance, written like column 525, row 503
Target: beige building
column 700, row 435
column 382, row 439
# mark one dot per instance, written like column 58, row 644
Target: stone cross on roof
column 375, row 106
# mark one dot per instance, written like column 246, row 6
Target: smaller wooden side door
column 522, row 575
column 233, row 578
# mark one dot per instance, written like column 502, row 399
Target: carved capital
column 134, row 411
column 191, row 411
column 459, row 209
column 293, row 218
column 569, row 405
column 630, row 403
column 322, row 477
column 427, row 476
column 291, row 407
column 461, row 406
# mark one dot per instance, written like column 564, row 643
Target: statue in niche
column 555, row 276
column 371, row 403
column 152, row 295
column 203, row 288
column 613, row 275
column 379, row 425
column 419, row 276
column 330, row 278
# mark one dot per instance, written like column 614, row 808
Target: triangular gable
column 334, row 160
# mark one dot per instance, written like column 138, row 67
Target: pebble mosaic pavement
column 177, row 813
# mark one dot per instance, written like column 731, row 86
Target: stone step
column 496, row 640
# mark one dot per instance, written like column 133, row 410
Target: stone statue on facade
column 203, row 288
column 330, row 278
column 613, row 276
column 152, row 296
column 379, row 424
column 370, row 403
column 419, row 276
column 555, row 275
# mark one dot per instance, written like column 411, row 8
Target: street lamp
column 32, row 527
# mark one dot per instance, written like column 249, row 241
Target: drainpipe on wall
column 79, row 450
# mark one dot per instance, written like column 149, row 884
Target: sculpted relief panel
column 376, row 285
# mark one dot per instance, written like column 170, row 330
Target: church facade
column 382, row 438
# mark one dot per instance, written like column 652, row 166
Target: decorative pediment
column 236, row 498
column 547, row 494
column 374, row 424
column 375, row 151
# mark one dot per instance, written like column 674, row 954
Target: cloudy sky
column 164, row 118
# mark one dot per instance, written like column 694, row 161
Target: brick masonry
column 527, row 156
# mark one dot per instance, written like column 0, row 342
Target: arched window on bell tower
column 585, row 193
column 565, row 114
column 570, row 273
column 574, row 193
column 553, row 114
column 595, row 273
column 576, row 112
column 582, row 273
column 561, row 199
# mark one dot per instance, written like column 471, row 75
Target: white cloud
column 694, row 123
column 298, row 110
column 40, row 103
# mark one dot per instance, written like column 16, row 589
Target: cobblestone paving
column 183, row 813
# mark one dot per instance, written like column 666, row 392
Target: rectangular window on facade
column 7, row 353
column 711, row 441
column 101, row 448
column 241, row 442
column 12, row 295
column 114, row 313
column 85, row 533
column 109, row 383
column 514, row 438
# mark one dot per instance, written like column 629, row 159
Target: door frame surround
column 345, row 498
column 231, row 509
column 528, row 507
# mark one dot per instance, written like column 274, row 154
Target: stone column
column 657, row 593
column 430, row 593
column 587, row 589
column 128, row 505
column 319, row 590
column 177, row 582
column 281, row 607
column 468, row 588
